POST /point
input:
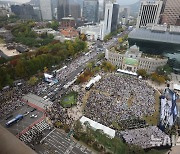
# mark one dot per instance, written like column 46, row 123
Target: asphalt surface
column 58, row 142
column 54, row 95
column 55, row 141
column 24, row 123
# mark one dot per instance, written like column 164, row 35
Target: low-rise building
column 156, row 33
column 69, row 32
column 93, row 32
column 43, row 30
column 133, row 59
column 67, row 22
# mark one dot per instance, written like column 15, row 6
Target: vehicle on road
column 26, row 113
column 33, row 116
column 14, row 120
column 34, row 109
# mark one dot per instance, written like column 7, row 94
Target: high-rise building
column 101, row 9
column 90, row 10
column 24, row 11
column 170, row 12
column 68, row 7
column 124, row 15
column 149, row 13
column 110, row 18
column 37, row 12
column 75, row 10
column 46, row 9
column 62, row 9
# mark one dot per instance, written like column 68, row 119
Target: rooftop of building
column 136, row 51
column 69, row 32
column 68, row 18
column 145, row 55
column 158, row 34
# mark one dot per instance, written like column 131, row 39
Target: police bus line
column 14, row 120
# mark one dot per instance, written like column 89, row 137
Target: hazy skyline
column 121, row 2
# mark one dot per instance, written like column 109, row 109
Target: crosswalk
column 34, row 131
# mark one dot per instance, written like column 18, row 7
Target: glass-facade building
column 90, row 10
column 170, row 12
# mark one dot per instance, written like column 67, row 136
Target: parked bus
column 14, row 120
column 89, row 85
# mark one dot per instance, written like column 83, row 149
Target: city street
column 57, row 142
column 25, row 122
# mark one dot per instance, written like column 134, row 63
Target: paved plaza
column 58, row 142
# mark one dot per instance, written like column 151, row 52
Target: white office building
column 46, row 9
column 110, row 18
column 149, row 13
column 93, row 32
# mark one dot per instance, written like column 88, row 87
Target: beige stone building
column 133, row 59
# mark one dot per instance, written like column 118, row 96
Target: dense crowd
column 42, row 89
column 10, row 98
column 58, row 113
column 119, row 97
column 144, row 137
column 64, row 74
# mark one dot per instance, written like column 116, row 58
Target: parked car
column 26, row 113
column 33, row 116
column 34, row 109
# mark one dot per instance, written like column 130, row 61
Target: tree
column 20, row 69
column 157, row 78
column 90, row 65
column 107, row 37
column 164, row 70
column 120, row 40
column 45, row 69
column 33, row 80
column 66, row 128
column 108, row 67
column 142, row 72
column 83, row 37
column 161, row 79
column 54, row 25
column 78, row 127
column 134, row 149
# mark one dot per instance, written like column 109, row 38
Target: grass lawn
column 153, row 120
column 69, row 99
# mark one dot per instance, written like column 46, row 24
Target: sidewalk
column 174, row 150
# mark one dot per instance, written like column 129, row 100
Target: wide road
column 72, row 75
column 114, row 41
column 109, row 44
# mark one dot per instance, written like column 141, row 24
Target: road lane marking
column 48, row 135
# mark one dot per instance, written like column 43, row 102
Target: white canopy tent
column 95, row 125
column 126, row 72
column 176, row 87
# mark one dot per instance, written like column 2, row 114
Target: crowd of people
column 64, row 74
column 10, row 98
column 119, row 97
column 58, row 113
column 147, row 137
column 43, row 89
column 35, row 134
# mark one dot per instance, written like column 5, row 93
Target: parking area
column 58, row 142
column 30, row 117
